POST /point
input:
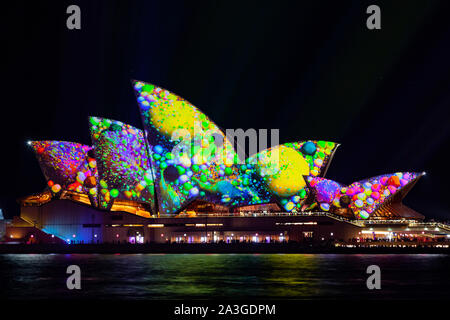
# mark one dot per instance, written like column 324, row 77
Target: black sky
column 311, row 69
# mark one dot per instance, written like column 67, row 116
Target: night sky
column 311, row 69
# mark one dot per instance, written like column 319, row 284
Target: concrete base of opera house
column 67, row 222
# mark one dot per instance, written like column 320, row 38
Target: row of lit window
column 160, row 225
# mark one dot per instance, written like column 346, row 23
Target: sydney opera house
column 181, row 179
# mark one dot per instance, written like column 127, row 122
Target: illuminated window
column 307, row 234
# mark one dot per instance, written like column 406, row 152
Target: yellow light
column 295, row 223
column 377, row 231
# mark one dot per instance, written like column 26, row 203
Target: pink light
column 117, row 235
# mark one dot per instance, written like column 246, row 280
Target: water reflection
column 224, row 276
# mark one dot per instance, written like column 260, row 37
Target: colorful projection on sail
column 68, row 166
column 124, row 168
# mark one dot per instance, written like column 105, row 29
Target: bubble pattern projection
column 200, row 163
column 362, row 197
column 165, row 114
column 183, row 178
column 231, row 185
column 295, row 160
column 199, row 149
column 173, row 193
column 124, row 168
column 68, row 166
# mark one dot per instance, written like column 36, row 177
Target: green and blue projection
column 181, row 156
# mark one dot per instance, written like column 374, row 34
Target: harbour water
column 225, row 276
